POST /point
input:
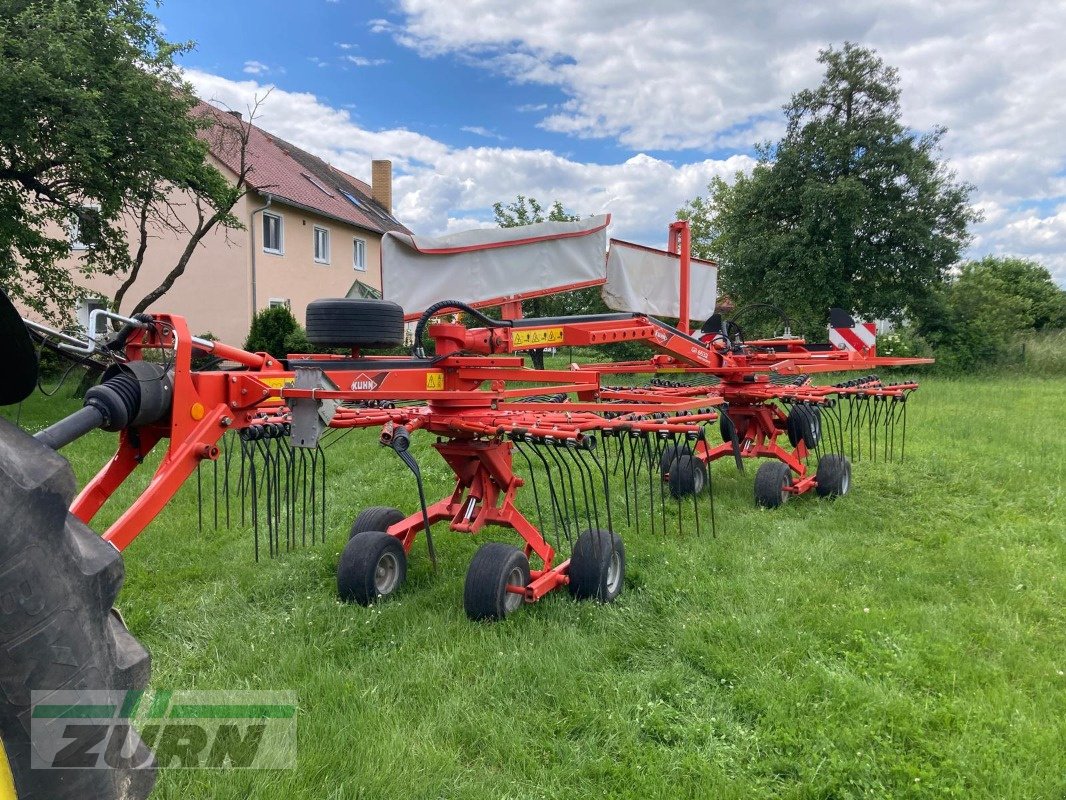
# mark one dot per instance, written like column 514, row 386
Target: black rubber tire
column 376, row 518
column 833, row 478
column 373, row 566
column 667, row 458
column 494, row 566
column 58, row 581
column 804, row 424
column 770, row 482
column 688, row 476
column 727, row 427
column 354, row 322
column 597, row 566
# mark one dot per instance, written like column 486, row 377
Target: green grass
column 908, row 640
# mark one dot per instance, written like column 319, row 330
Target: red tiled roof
column 292, row 175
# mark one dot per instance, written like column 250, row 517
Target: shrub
column 271, row 328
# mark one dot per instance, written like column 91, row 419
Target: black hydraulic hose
column 455, row 305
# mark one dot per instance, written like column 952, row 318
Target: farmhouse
column 311, row 230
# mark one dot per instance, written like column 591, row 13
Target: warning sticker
column 434, row 381
column 536, row 337
column 276, row 383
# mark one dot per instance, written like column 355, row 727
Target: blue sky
column 630, row 107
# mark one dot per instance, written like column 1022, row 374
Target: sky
column 631, row 107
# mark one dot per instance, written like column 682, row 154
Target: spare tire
column 354, row 322
column 58, row 580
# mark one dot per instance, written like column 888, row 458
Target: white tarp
column 648, row 281
column 489, row 263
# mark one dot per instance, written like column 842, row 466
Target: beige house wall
column 215, row 292
column 295, row 276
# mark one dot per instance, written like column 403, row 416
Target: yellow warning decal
column 536, row 337
column 276, row 383
column 434, row 381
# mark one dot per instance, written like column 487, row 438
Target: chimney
column 381, row 183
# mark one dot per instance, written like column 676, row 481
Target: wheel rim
column 614, row 572
column 785, row 482
column 512, row 601
column 845, row 483
column 698, row 479
column 386, row 573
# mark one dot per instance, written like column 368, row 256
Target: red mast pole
column 680, row 243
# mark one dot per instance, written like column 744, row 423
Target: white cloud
column 255, row 68
column 714, row 75
column 363, row 61
column 479, row 130
column 438, row 188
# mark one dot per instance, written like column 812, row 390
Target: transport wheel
column 372, row 565
column 771, row 484
column 833, row 478
column 727, row 427
column 354, row 322
column 495, row 566
column 804, row 424
column 688, row 476
column 670, row 452
column 376, row 518
column 58, row 580
column 597, row 566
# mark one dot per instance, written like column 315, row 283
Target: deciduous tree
column 94, row 122
column 850, row 208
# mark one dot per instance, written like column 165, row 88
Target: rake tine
column 602, row 467
column 553, row 445
column 682, row 451
column 323, row 496
column 569, row 448
column 578, row 453
column 558, row 518
column 533, row 484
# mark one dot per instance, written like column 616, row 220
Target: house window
column 82, row 235
column 359, row 255
column 279, row 302
column 86, row 306
column 273, row 233
column 321, row 245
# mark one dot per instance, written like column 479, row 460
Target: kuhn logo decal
column 661, row 336
column 367, row 383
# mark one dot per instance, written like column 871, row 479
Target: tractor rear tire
column 495, row 566
column 354, row 322
column 597, row 566
column 376, row 518
column 833, row 478
column 688, row 476
column 372, row 566
column 58, row 630
column 771, row 484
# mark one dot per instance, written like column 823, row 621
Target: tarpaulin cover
column 648, row 281
column 489, row 263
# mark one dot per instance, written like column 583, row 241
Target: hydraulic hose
column 455, row 305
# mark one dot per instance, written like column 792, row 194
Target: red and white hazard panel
column 862, row 336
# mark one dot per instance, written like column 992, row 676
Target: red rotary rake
column 574, row 435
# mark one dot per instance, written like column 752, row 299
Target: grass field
column 908, row 640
